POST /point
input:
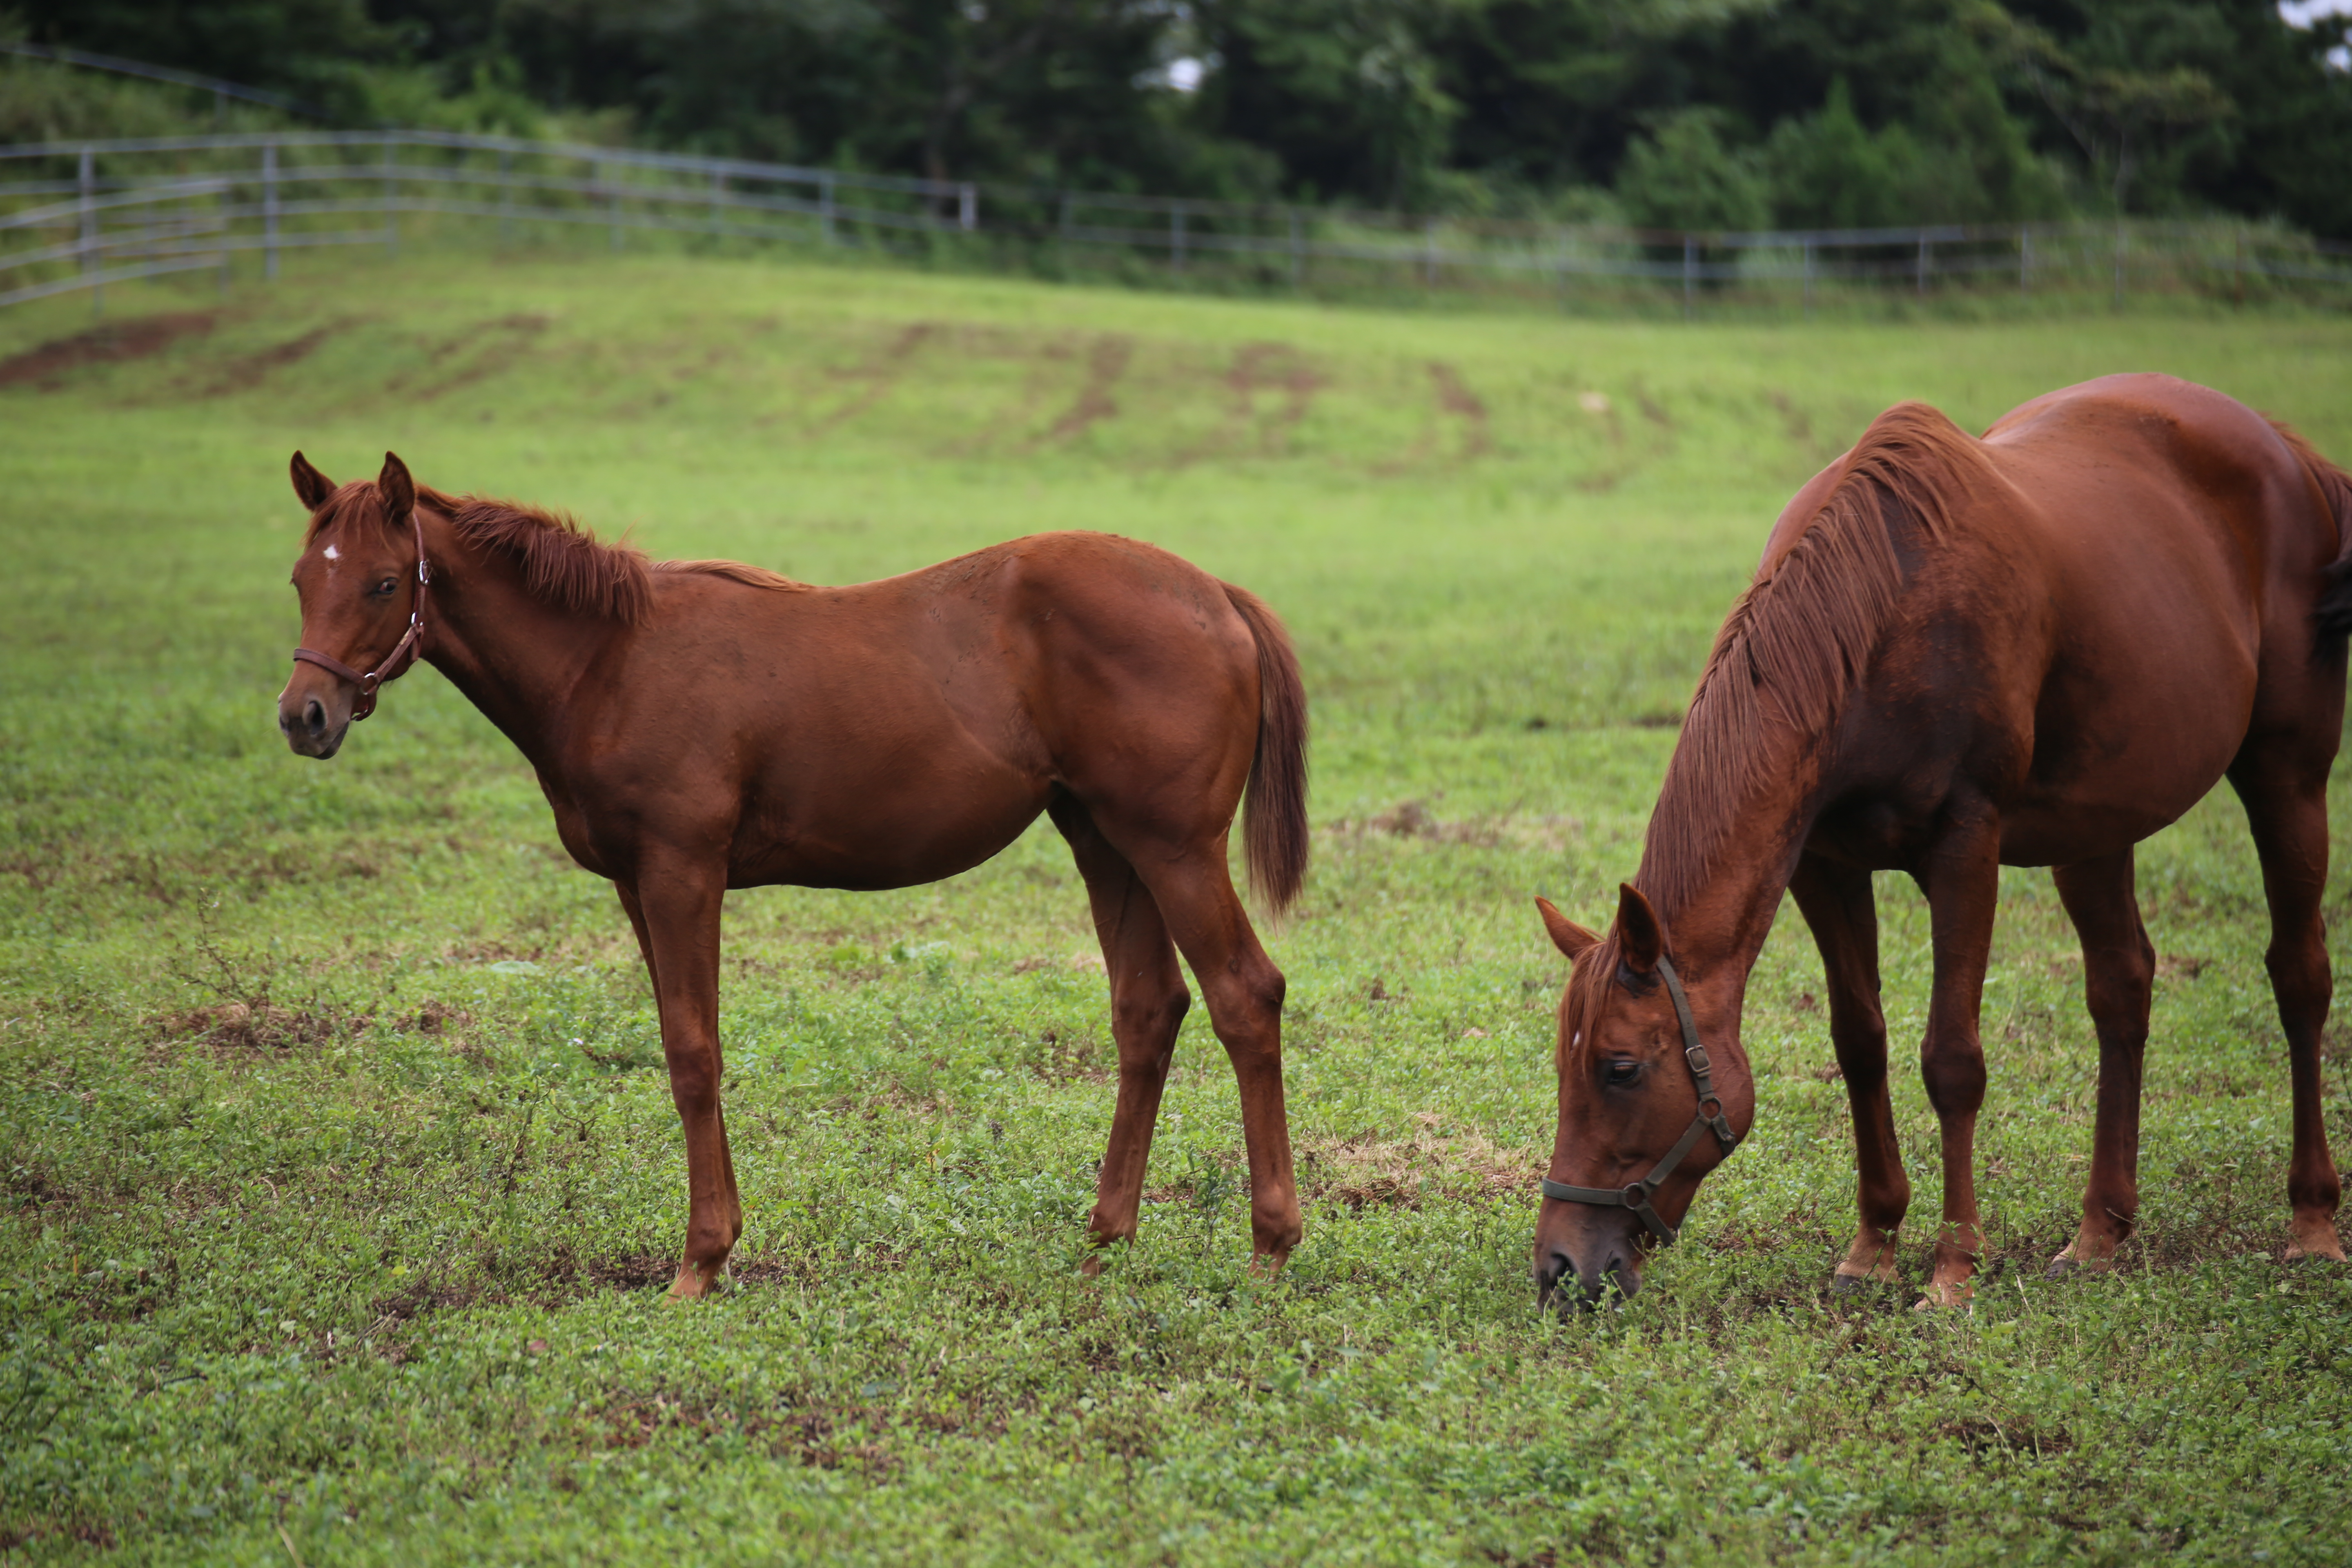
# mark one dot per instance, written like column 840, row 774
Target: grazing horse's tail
column 1273, row 822
column 2331, row 615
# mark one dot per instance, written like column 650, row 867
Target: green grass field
column 339, row 1173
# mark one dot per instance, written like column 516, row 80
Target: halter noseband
column 1636, row 1195
column 403, row 652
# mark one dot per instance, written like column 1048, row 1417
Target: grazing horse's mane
column 563, row 564
column 1793, row 648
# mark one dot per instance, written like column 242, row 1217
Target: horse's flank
column 563, row 564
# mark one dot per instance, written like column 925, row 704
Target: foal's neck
column 516, row 658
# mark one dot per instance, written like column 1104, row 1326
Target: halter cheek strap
column 403, row 652
column 1636, row 1195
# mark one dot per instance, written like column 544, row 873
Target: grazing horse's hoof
column 2315, row 1240
column 1852, row 1284
column 1961, row 1293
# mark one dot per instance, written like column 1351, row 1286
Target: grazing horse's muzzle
column 313, row 723
column 1609, row 1274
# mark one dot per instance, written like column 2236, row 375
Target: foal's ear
column 312, row 487
column 396, row 491
column 1642, row 933
column 1566, row 935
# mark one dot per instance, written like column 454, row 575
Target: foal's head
column 357, row 579
column 1629, row 1096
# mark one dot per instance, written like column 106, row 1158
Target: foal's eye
column 383, row 588
column 1623, row 1072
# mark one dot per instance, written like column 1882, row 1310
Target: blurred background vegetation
column 1672, row 114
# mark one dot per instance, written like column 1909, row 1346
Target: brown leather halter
column 403, row 652
column 1710, row 1117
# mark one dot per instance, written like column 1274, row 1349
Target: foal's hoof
column 1938, row 1297
column 1852, row 1284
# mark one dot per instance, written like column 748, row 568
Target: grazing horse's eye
column 1621, row 1071
column 384, row 588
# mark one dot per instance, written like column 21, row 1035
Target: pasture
column 339, row 1175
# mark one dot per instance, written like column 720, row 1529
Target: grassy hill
column 339, row 1177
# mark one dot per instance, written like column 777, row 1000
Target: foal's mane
column 1790, row 654
column 563, row 564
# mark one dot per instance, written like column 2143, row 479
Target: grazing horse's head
column 1641, row 1118
column 357, row 583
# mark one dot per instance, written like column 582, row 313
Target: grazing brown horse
column 2035, row 650
column 702, row 725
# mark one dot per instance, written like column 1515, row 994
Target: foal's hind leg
column 1245, row 992
column 2287, row 807
column 1147, row 1003
column 1837, row 905
column 2118, row 973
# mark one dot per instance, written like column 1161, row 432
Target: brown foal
column 702, row 725
column 2032, row 649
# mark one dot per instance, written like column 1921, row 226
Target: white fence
column 84, row 216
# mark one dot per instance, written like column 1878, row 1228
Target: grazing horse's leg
column 1147, row 1002
column 1961, row 877
column 1836, row 903
column 674, row 904
column 2118, row 973
column 1244, row 991
column 2287, row 807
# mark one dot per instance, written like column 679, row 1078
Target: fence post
column 390, row 193
column 1809, row 277
column 1298, row 252
column 1690, row 273
column 611, row 201
column 2024, row 259
column 1429, row 252
column 90, row 260
column 1176, row 236
column 2120, row 260
column 717, row 191
column 2241, row 264
column 825, row 206
column 270, row 209
column 968, row 207
column 506, row 194
column 1923, row 263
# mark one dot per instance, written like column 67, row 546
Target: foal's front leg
column 675, row 906
column 1961, row 877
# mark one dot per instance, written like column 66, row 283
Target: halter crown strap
column 1636, row 1195
column 404, row 653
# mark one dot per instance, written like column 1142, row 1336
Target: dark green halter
column 1636, row 1195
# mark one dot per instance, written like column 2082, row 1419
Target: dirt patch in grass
column 256, row 1026
column 1106, row 363
column 48, row 365
column 247, row 371
column 1371, row 1171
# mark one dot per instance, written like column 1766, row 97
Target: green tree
column 1685, row 175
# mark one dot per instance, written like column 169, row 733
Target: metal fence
column 86, row 216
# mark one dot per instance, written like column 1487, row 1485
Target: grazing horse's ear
column 1642, row 934
column 396, row 491
column 1566, row 935
column 311, row 487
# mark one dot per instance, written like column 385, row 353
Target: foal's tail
column 2331, row 615
column 1274, row 821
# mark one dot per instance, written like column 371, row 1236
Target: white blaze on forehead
column 334, row 554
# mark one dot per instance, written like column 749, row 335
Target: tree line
column 1670, row 113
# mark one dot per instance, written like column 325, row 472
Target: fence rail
column 77, row 215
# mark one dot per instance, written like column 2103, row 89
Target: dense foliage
column 1672, row 112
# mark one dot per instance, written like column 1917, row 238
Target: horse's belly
column 2101, row 805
